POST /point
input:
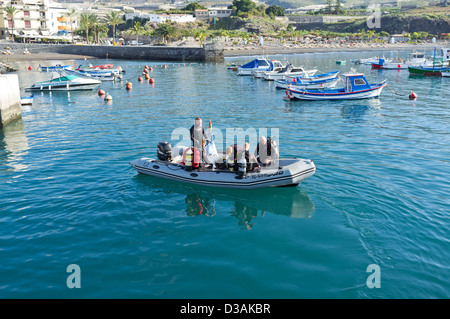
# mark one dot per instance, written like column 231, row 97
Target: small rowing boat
column 356, row 87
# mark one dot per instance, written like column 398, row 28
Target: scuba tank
column 189, row 157
column 242, row 166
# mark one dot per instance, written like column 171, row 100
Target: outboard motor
column 164, row 151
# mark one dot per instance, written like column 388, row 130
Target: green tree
column 11, row 12
column 193, row 6
column 244, row 5
column 329, row 7
column 338, row 7
column 165, row 30
column 275, row 10
column 114, row 18
column 85, row 23
column 138, row 29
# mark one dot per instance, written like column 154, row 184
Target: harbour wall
column 10, row 107
column 206, row 52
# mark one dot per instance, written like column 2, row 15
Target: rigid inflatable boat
column 287, row 172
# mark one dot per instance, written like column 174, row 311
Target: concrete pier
column 10, row 107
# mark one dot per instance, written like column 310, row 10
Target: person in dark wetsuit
column 197, row 134
column 266, row 151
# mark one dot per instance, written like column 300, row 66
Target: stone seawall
column 207, row 52
column 10, row 107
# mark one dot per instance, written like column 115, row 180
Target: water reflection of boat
column 292, row 202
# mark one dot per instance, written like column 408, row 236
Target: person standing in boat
column 266, row 151
column 197, row 133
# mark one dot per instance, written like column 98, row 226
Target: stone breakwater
column 10, row 107
column 207, row 52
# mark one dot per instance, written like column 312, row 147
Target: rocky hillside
column 393, row 24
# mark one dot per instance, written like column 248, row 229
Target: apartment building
column 34, row 18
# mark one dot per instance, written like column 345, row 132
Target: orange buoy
column 150, row 69
column 165, row 66
column 108, row 98
column 151, row 81
column 30, row 68
column 101, row 92
column 412, row 95
column 146, row 67
column 145, row 71
column 129, row 85
column 140, row 79
column 147, row 76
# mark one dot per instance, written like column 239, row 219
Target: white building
column 161, row 18
column 34, row 18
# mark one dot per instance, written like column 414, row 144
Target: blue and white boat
column 27, row 100
column 312, row 78
column 275, row 66
column 317, row 84
column 289, row 71
column 54, row 68
column 356, row 87
column 256, row 64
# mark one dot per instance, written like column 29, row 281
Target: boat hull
column 322, row 85
column 318, row 96
column 291, row 174
column 64, row 87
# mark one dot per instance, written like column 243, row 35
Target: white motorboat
column 102, row 76
column 417, row 59
column 289, row 71
column 256, row 64
column 68, row 82
column 287, row 172
column 275, row 65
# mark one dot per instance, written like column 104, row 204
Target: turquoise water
column 379, row 196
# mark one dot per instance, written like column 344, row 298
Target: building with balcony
column 34, row 18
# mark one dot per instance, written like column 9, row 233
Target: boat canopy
column 256, row 63
column 69, row 77
column 355, row 82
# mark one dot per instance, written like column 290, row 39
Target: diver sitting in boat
column 251, row 161
column 266, row 151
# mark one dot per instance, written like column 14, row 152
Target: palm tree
column 93, row 22
column 138, row 29
column 85, row 23
column 113, row 18
column 11, row 11
column 100, row 27
column 164, row 30
column 71, row 14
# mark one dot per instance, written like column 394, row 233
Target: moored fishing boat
column 288, row 172
column 318, row 84
column 65, row 83
column 256, row 64
column 289, row 71
column 102, row 76
column 356, row 87
column 429, row 71
column 312, row 78
column 341, row 62
column 54, row 68
column 27, row 100
column 275, row 66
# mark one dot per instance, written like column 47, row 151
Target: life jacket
column 196, row 157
